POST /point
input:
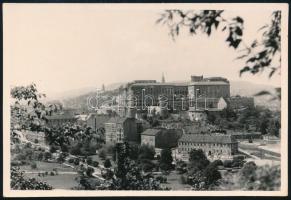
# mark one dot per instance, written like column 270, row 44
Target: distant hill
column 244, row 88
column 78, row 98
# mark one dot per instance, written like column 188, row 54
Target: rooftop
column 208, row 138
column 151, row 132
column 118, row 120
column 162, row 84
column 209, row 83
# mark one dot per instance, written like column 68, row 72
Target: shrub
column 56, row 171
column 35, row 141
column 238, row 161
column 52, row 173
column 217, row 163
column 89, row 161
column 181, row 167
column 40, row 156
column 20, row 156
column 183, row 179
column 147, row 165
column 64, row 148
column 227, row 163
column 89, row 171
column 24, row 162
column 53, row 149
column 165, row 166
column 33, row 165
column 162, row 179
column 28, row 145
column 61, row 158
column 102, row 154
column 95, row 163
column 47, row 155
column 71, row 160
column 15, row 163
column 107, row 163
column 76, row 149
column 146, row 152
column 77, row 161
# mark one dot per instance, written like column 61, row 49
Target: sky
column 71, row 46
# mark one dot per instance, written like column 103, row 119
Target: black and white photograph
column 145, row 99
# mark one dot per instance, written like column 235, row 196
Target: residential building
column 148, row 137
column 119, row 129
column 215, row 146
column 161, row 138
column 97, row 121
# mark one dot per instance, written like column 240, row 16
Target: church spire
column 163, row 78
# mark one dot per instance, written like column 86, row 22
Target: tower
column 163, row 78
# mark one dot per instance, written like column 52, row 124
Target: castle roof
column 161, row 84
column 209, row 83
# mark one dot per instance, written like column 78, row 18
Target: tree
column 76, row 161
column 247, row 174
column 212, row 175
column 28, row 111
column 197, row 161
column 274, row 127
column 64, row 148
column 95, row 163
column 146, row 152
column 33, row 165
column 53, row 149
column 166, row 159
column 128, row 174
column 18, row 182
column 147, row 165
column 47, row 155
column 89, row 171
column 61, row 158
column 40, row 156
column 107, row 163
column 264, row 127
column 133, row 151
column 89, row 161
column 268, row 178
column 102, row 154
column 181, row 167
column 260, row 55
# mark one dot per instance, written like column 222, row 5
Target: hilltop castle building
column 200, row 93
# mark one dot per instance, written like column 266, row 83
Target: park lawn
column 47, row 166
column 62, row 181
column 174, row 182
